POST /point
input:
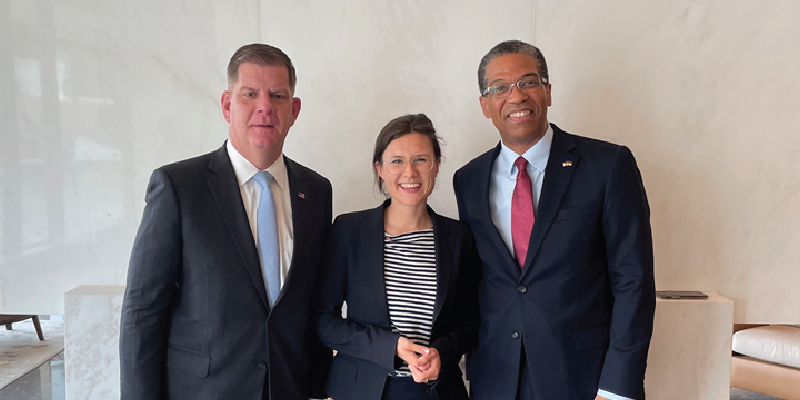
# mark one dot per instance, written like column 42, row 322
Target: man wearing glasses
column 562, row 226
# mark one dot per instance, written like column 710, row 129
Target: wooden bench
column 7, row 320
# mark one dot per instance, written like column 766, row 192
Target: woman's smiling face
column 413, row 184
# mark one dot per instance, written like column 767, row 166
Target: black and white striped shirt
column 409, row 272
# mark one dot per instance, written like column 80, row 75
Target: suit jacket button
column 522, row 289
column 515, row 335
column 261, row 365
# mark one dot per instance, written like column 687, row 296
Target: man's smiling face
column 521, row 117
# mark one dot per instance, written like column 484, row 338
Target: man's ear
column 295, row 107
column 225, row 101
column 547, row 88
column 485, row 106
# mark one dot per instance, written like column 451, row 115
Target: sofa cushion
column 775, row 343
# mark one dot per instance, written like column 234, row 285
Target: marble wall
column 97, row 94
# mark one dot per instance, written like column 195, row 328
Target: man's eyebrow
column 243, row 88
column 521, row 77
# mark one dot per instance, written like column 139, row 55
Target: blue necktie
column 268, row 247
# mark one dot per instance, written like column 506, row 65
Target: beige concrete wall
column 707, row 95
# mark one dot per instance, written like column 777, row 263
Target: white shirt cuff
column 611, row 396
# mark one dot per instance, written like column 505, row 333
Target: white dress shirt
column 251, row 194
column 504, row 179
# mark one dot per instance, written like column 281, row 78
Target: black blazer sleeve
column 626, row 227
column 366, row 342
column 454, row 343
column 153, row 271
column 320, row 356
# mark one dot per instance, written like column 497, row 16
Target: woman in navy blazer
column 393, row 344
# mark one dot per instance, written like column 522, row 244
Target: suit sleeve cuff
column 611, row 396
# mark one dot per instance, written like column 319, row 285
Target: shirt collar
column 537, row 155
column 245, row 170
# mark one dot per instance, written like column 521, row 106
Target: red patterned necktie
column 522, row 216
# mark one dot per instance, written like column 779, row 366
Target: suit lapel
column 484, row 180
column 373, row 241
column 443, row 247
column 556, row 181
column 225, row 190
column 372, row 253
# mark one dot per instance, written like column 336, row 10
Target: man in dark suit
column 562, row 226
column 224, row 263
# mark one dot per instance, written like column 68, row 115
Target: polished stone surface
column 43, row 383
column 91, row 341
column 98, row 94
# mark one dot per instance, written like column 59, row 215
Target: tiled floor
column 43, row 383
column 47, row 383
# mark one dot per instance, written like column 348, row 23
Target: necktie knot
column 521, row 163
column 262, row 178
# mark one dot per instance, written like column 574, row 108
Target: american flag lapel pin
column 567, row 163
column 301, row 195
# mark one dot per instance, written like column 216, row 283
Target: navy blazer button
column 515, row 335
column 522, row 289
column 261, row 365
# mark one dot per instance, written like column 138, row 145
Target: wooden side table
column 7, row 320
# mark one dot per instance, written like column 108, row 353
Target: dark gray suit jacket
column 195, row 318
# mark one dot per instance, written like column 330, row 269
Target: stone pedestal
column 91, row 342
column 690, row 353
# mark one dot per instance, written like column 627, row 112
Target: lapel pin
column 567, row 163
column 301, row 195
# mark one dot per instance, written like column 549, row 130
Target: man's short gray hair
column 510, row 47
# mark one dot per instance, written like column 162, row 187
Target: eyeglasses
column 528, row 84
column 396, row 166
